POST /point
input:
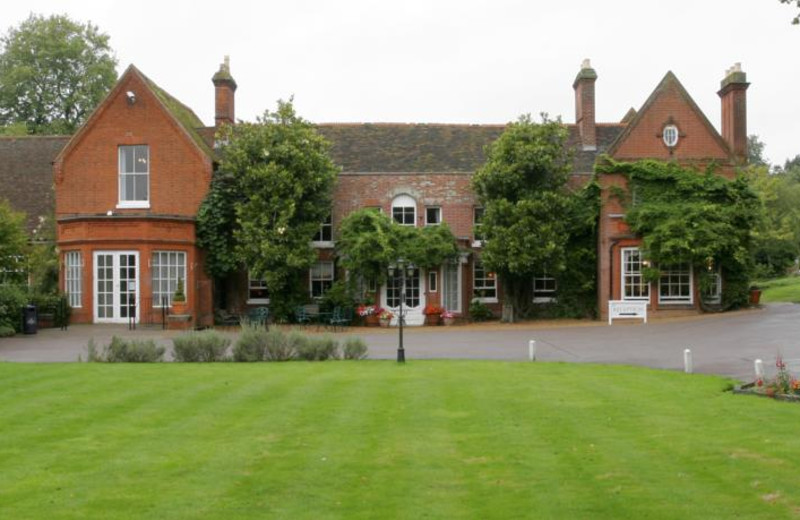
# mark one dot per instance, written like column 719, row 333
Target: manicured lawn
column 377, row 440
column 780, row 289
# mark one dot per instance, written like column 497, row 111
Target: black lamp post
column 402, row 267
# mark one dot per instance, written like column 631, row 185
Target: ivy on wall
column 687, row 216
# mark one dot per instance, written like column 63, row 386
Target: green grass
column 785, row 289
column 358, row 440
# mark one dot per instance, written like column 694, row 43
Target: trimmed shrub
column 200, row 347
column 126, row 350
column 6, row 331
column 251, row 345
column 280, row 346
column 479, row 311
column 12, row 299
column 319, row 349
column 354, row 348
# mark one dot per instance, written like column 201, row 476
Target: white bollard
column 759, row 366
column 687, row 361
column 532, row 350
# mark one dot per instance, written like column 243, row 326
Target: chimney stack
column 224, row 89
column 584, row 105
column 733, row 92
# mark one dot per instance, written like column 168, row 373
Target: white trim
column 73, row 278
column 404, row 201
column 323, row 244
column 115, row 279
column 142, row 204
column 156, row 304
column 670, row 135
column 457, row 266
column 678, row 300
column 622, row 277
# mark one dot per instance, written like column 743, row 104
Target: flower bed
column 783, row 385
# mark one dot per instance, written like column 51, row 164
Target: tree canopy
column 530, row 218
column 796, row 19
column 273, row 190
column 53, row 73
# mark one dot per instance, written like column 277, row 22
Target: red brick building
column 128, row 186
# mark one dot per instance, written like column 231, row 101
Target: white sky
column 454, row 61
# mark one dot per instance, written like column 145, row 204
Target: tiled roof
column 432, row 148
column 26, row 174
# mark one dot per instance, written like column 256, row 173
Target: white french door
column 414, row 302
column 451, row 286
column 116, row 286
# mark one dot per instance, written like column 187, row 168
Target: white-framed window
column 257, row 291
column 713, row 293
column 433, row 216
column 477, row 224
column 166, row 268
column 320, row 278
column 73, row 278
column 404, row 210
column 670, row 135
column 134, row 176
column 324, row 237
column 675, row 284
column 544, row 288
column 484, row 283
column 433, row 281
column 634, row 285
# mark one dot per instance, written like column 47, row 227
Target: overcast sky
column 464, row 61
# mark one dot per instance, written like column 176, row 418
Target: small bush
column 126, row 350
column 278, row 347
column 478, row 311
column 200, row 347
column 6, row 331
column 251, row 345
column 319, row 349
column 12, row 299
column 354, row 348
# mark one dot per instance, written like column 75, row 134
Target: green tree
column 13, row 241
column 273, row 189
column 755, row 151
column 796, row 19
column 53, row 73
column 529, row 214
column 369, row 241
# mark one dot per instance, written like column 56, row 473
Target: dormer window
column 404, row 210
column 134, row 176
column 670, row 135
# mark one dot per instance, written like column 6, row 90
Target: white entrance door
column 116, row 286
column 414, row 302
column 451, row 286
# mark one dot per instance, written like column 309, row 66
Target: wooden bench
column 622, row 309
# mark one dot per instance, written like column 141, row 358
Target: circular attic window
column 670, row 135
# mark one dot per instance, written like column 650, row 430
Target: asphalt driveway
column 725, row 344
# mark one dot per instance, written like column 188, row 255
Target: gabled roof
column 669, row 81
column 26, row 174
column 183, row 116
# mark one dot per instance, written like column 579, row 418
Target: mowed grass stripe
column 433, row 439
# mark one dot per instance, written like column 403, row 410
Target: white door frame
column 116, row 303
column 414, row 315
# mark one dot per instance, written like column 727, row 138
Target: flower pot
column 371, row 320
column 433, row 319
column 179, row 307
column 385, row 322
column 449, row 321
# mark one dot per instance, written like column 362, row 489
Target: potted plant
column 433, row 314
column 369, row 314
column 385, row 316
column 449, row 318
column 179, row 299
column 755, row 294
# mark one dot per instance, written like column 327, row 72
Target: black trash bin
column 29, row 319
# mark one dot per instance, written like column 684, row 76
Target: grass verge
column 434, row 439
column 785, row 289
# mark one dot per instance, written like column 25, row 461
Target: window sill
column 477, row 244
column 544, row 299
column 133, row 205
column 323, row 244
column 487, row 300
column 258, row 301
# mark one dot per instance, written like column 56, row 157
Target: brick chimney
column 733, row 92
column 224, row 89
column 584, row 105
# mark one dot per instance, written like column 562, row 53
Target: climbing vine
column 688, row 216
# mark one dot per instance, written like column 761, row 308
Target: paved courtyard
column 725, row 344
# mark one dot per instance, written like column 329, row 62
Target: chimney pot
column 733, row 94
column 585, row 105
column 224, row 94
